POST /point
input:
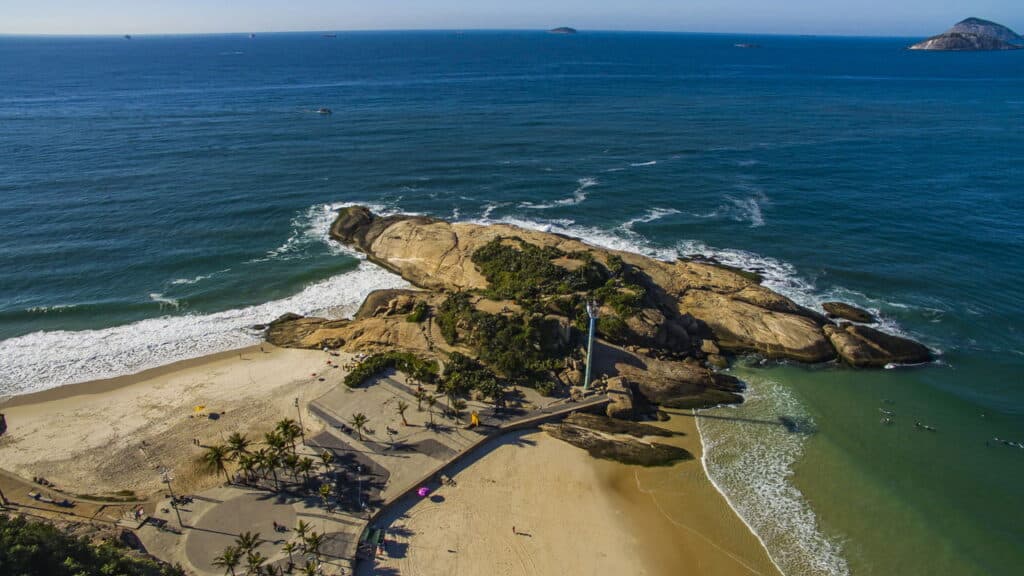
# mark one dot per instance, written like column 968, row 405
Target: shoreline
column 77, row 436
column 104, row 385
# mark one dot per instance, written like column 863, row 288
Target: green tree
column 431, row 401
column 301, row 530
column 238, row 445
column 401, row 407
column 326, row 457
column 215, row 457
column 306, row 466
column 289, row 430
column 255, row 561
column 289, row 548
column 358, row 421
column 313, row 543
column 247, row 541
column 325, row 493
column 229, row 559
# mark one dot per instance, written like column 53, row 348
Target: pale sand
column 575, row 515
column 110, row 435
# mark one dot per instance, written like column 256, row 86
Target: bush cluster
column 418, row 368
column 525, row 273
column 29, row 548
column 419, row 313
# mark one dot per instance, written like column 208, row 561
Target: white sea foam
column 190, row 281
column 166, row 302
column 578, row 196
column 749, row 458
column 747, row 209
column 312, row 227
column 43, row 360
column 639, row 164
column 649, row 216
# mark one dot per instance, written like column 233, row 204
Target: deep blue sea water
column 159, row 196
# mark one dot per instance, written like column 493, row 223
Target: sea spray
column 43, row 360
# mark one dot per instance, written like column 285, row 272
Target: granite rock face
column 866, row 347
column 847, row 312
column 973, row 34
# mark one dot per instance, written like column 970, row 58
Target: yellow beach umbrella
column 198, row 409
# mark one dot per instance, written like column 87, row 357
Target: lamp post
column 359, row 475
column 302, row 429
column 592, row 312
column 166, row 477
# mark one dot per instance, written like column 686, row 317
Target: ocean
column 162, row 195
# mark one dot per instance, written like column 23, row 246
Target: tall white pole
column 592, row 312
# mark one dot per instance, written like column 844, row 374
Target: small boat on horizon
column 324, row 111
column 127, row 36
column 329, row 35
column 746, row 45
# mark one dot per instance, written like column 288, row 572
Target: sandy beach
column 113, row 435
column 526, row 504
column 535, row 505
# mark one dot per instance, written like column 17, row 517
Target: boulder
column 866, row 347
column 621, row 405
column 615, row 447
column 739, row 326
column 614, row 426
column 847, row 312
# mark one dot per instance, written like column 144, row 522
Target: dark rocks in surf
column 616, row 447
column 865, row 347
column 847, row 312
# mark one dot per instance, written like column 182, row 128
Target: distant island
column 973, row 34
column 562, row 30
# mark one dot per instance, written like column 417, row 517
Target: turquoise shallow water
column 162, row 195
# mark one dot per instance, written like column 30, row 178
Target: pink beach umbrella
column 423, row 491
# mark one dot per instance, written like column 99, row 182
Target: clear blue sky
column 857, row 17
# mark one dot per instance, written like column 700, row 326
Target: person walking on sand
column 513, row 530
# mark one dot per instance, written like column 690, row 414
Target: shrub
column 419, row 313
column 525, row 273
column 410, row 364
column 30, row 548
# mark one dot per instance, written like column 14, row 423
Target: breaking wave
column 578, row 196
column 43, row 360
column 751, row 462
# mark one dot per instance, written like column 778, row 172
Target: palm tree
column 289, row 430
column 289, row 548
column 301, row 529
column 215, row 457
column 358, row 421
column 255, row 560
column 275, row 440
column 238, row 444
column 313, row 543
column 421, row 395
column 247, row 464
column 229, row 559
column 325, row 492
column 431, row 400
column 306, row 466
column 402, row 407
column 268, row 463
column 326, row 457
column 247, row 541
column 291, row 461
column 309, row 569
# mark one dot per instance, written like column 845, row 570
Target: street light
column 359, row 475
column 166, row 476
column 592, row 312
column 302, row 429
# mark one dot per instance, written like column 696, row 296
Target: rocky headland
column 973, row 34
column 508, row 304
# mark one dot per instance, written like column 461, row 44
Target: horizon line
column 454, row 30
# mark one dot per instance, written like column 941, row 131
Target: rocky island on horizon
column 562, row 30
column 973, row 35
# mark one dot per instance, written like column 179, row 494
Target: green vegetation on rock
column 419, row 313
column 30, row 548
column 526, row 273
column 418, row 368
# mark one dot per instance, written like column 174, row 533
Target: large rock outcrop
column 973, row 34
column 687, row 301
column 866, row 347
